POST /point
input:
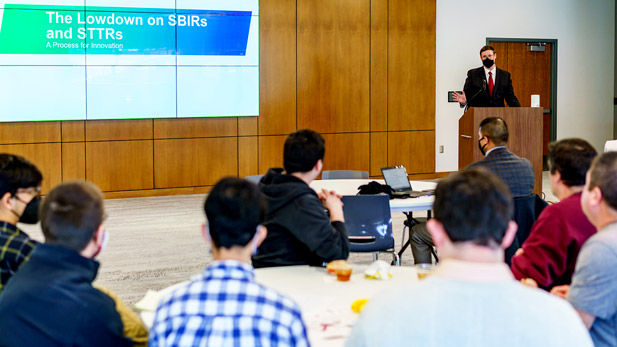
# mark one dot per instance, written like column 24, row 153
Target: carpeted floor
column 156, row 242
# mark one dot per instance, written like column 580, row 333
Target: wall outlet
column 440, row 148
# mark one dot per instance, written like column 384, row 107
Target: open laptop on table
column 396, row 177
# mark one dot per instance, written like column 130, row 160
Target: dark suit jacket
column 516, row 172
column 502, row 90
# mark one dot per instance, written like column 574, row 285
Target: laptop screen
column 396, row 177
column 367, row 215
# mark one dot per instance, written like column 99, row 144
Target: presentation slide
column 121, row 59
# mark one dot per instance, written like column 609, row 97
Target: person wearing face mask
column 19, row 201
column 515, row 172
column 487, row 86
column 225, row 306
column 50, row 301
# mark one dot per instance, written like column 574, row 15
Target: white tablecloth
column 350, row 187
column 324, row 301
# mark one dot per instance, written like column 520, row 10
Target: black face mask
column 488, row 63
column 31, row 212
column 481, row 147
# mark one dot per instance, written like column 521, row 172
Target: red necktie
column 490, row 83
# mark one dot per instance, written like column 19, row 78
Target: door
column 529, row 64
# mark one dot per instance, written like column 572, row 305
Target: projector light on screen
column 115, row 59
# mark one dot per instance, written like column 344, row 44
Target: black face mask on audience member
column 488, row 63
column 481, row 147
column 31, row 212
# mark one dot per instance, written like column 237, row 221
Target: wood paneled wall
column 361, row 72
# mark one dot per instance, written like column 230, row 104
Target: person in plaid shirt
column 19, row 201
column 225, row 306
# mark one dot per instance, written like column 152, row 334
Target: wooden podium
column 525, row 140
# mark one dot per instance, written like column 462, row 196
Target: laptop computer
column 368, row 221
column 396, row 177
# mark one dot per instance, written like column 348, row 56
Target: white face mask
column 105, row 241
column 254, row 242
column 103, row 244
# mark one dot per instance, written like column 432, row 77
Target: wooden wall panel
column 270, row 152
column 73, row 161
column 29, row 132
column 195, row 127
column 361, row 72
column 347, row 151
column 333, row 65
column 411, row 65
column 247, row 126
column 414, row 149
column 379, row 65
column 73, row 131
column 110, row 130
column 379, row 152
column 277, row 70
column 194, row 162
column 46, row 156
column 120, row 165
column 248, row 156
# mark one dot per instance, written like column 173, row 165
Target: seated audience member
column 19, row 192
column 515, row 172
column 299, row 230
column 50, row 301
column 134, row 327
column 593, row 291
column 225, row 306
column 471, row 298
column 548, row 256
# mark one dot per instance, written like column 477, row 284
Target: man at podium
column 487, row 86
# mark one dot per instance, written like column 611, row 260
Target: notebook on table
column 396, row 177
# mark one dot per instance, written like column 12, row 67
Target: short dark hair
column 603, row 172
column 496, row 129
column 571, row 158
column 303, row 148
column 71, row 213
column 487, row 48
column 474, row 205
column 19, row 172
column 235, row 208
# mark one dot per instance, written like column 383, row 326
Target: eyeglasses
column 30, row 190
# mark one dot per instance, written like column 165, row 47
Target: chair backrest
column 526, row 211
column 343, row 174
column 369, row 222
column 254, row 179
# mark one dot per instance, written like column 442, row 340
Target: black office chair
column 526, row 212
column 369, row 225
column 254, row 179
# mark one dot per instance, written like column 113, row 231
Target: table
column 350, row 187
column 324, row 301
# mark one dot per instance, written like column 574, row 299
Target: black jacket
column 299, row 230
column 50, row 301
column 502, row 90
